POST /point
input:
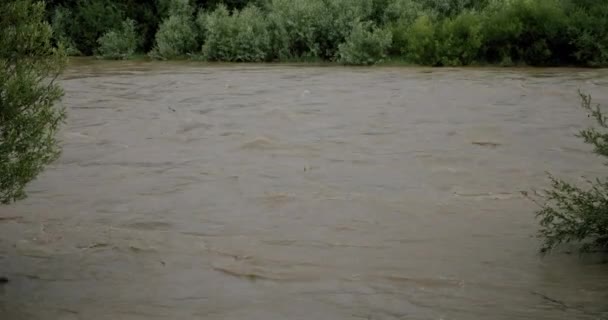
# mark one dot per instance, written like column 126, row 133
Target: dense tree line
column 429, row 32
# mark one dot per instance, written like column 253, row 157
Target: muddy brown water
column 191, row 191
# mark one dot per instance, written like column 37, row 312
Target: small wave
column 260, row 143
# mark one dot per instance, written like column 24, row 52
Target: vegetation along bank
column 358, row 32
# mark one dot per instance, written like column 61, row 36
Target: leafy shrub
column 398, row 17
column 200, row 24
column 450, row 8
column 422, row 43
column 399, row 32
column 588, row 32
column 365, row 47
column 251, row 41
column 314, row 27
column 536, row 32
column 460, row 40
column 501, row 32
column 175, row 37
column 180, row 8
column 402, row 11
column 575, row 214
column 62, row 22
column 147, row 20
column 229, row 4
column 120, row 43
column 93, row 18
column 377, row 9
column 296, row 25
column 527, row 31
column 28, row 94
column 343, row 16
column 219, row 34
column 242, row 36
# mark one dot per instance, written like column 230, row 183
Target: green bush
column 62, row 23
column 588, row 32
column 377, row 9
column 295, row 27
column 200, row 24
column 120, row 43
column 460, row 40
column 219, row 34
column 180, row 8
column 147, row 20
column 399, row 32
column 242, row 36
column 251, row 41
column 402, row 11
column 229, row 4
column 314, row 28
column 93, row 18
column 29, row 120
column 342, row 18
column 175, row 38
column 451, row 8
column 501, row 31
column 535, row 32
column 575, row 214
column 365, row 47
column 422, row 42
column 398, row 16
column 448, row 42
column 526, row 31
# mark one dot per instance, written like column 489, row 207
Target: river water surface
column 188, row 191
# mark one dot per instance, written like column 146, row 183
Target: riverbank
column 395, row 62
column 363, row 32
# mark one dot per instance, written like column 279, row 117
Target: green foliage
column 449, row 42
column 146, row 20
column 399, row 15
column 429, row 32
column 211, row 5
column 460, row 40
column 242, row 36
column 450, row 8
column 575, row 214
column 377, row 9
column 296, row 27
column 501, row 32
column 93, row 18
column 588, row 32
column 527, row 31
column 399, row 32
column 200, row 24
column 180, row 8
column 314, row 27
column 364, row 47
column 176, row 37
column 119, row 43
column 342, row 17
column 28, row 119
column 62, row 23
column 422, row 42
column 402, row 11
column 220, row 32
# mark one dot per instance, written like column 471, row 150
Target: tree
column 29, row 119
column 575, row 214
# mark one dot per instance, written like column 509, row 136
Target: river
column 226, row 191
